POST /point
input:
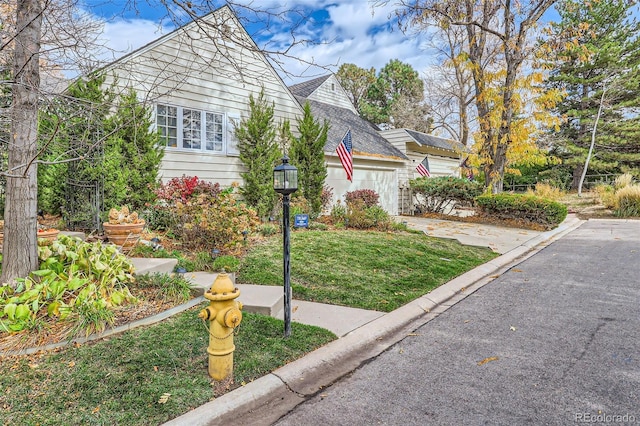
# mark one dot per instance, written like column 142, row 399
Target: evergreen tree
column 259, row 153
column 397, row 84
column 596, row 59
column 72, row 128
column 307, row 154
column 85, row 139
column 132, row 154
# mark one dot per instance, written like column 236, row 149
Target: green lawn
column 121, row 379
column 370, row 270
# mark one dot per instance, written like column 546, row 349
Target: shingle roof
column 364, row 135
column 306, row 88
column 435, row 141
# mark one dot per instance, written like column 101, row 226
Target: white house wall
column 170, row 72
column 331, row 92
column 438, row 165
column 380, row 176
column 397, row 138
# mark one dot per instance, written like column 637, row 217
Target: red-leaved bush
column 368, row 196
column 185, row 188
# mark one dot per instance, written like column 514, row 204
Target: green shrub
column 360, row 216
column 338, row 213
column 160, row 217
column 529, row 208
column 627, row 201
column 559, row 177
column 267, row 229
column 443, row 194
column 77, row 281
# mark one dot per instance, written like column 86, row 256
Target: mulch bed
column 150, row 303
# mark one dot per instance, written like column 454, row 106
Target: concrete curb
column 266, row 399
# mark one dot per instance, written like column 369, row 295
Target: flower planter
column 125, row 235
column 44, row 237
column 47, row 237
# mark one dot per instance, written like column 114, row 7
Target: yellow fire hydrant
column 224, row 314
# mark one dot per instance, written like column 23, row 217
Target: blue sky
column 348, row 32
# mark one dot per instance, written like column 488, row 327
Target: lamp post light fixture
column 215, row 253
column 155, row 243
column 285, row 182
column 180, row 271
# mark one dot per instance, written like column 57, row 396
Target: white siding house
column 199, row 78
column 444, row 158
column 376, row 163
column 199, row 82
column 445, row 155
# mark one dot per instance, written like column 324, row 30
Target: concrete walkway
column 500, row 239
column 265, row 400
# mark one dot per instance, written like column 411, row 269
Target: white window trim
column 203, row 130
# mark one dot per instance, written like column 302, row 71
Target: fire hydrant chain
column 224, row 314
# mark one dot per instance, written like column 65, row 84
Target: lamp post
column 285, row 182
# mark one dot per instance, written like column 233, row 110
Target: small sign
column 301, row 221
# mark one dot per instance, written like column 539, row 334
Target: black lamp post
column 285, row 182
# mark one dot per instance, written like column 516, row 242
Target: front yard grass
column 369, row 270
column 121, row 380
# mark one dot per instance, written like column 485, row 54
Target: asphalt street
column 555, row 340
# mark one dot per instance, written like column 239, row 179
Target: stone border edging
column 110, row 332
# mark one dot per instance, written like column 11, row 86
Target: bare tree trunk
column 593, row 142
column 20, row 258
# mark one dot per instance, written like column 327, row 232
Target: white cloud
column 124, row 36
column 352, row 32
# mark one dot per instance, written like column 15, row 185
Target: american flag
column 344, row 150
column 423, row 168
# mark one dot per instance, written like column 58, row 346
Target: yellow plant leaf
column 486, row 360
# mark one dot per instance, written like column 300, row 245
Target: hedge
column 529, row 208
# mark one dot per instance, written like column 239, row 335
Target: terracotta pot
column 125, row 235
column 45, row 238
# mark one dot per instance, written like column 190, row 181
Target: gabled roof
column 435, row 141
column 364, row 135
column 305, row 89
